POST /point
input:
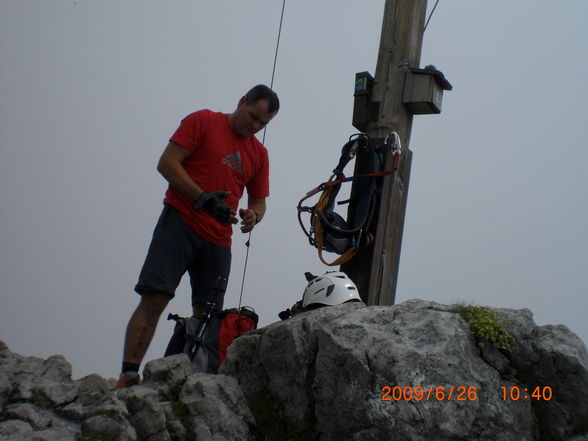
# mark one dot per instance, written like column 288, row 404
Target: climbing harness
column 328, row 230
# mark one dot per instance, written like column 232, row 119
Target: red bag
column 210, row 351
column 234, row 324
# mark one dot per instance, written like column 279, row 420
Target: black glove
column 212, row 202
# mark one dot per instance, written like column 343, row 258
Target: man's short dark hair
column 262, row 92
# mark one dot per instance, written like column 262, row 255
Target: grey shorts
column 175, row 249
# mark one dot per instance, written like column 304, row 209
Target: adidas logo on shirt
column 233, row 160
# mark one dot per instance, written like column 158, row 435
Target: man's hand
column 249, row 220
column 213, row 203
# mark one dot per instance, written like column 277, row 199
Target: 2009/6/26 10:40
column 462, row 393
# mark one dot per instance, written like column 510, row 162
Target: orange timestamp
column 516, row 393
column 428, row 393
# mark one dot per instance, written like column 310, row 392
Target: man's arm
column 170, row 166
column 249, row 216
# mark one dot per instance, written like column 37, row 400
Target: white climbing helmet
column 332, row 288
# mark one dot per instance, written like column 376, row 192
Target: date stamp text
column 462, row 393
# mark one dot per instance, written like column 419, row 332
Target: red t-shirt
column 219, row 160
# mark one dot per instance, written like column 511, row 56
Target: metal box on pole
column 423, row 90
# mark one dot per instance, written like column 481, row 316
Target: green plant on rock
column 486, row 326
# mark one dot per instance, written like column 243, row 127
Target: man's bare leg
column 142, row 324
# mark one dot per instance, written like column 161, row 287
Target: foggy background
column 90, row 93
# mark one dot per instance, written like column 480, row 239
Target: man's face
column 250, row 119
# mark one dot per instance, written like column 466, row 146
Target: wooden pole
column 375, row 268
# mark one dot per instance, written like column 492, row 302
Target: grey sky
column 90, row 92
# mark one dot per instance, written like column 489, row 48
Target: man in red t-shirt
column 210, row 159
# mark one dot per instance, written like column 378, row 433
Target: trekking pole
column 247, row 244
column 220, row 286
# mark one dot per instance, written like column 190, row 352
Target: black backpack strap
column 363, row 148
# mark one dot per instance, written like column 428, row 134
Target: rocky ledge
column 415, row 371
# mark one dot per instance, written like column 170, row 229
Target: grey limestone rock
column 46, row 382
column 102, row 427
column 551, row 359
column 14, row 430
column 216, row 408
column 94, row 398
column 146, row 414
column 168, row 374
column 347, row 372
column 411, row 372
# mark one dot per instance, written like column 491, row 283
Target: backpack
column 206, row 338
